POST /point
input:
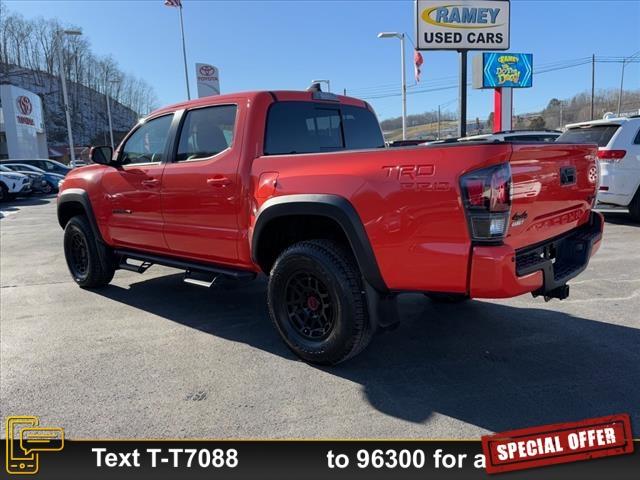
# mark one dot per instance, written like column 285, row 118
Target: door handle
column 218, row 181
column 153, row 182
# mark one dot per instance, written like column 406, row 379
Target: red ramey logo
column 207, row 70
column 24, row 104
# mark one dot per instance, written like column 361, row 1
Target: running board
column 141, row 268
column 206, row 283
column 186, row 265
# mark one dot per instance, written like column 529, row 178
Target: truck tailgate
column 553, row 190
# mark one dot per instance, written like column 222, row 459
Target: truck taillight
column 487, row 199
column 611, row 155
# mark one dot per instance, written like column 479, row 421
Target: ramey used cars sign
column 462, row 25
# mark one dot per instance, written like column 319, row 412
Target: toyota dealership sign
column 208, row 80
column 23, row 123
column 24, row 105
column 462, row 25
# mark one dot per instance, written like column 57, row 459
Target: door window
column 147, row 143
column 207, row 132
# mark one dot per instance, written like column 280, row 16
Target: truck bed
column 409, row 200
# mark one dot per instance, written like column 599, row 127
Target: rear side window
column 307, row 127
column 598, row 134
column 207, row 132
column 361, row 128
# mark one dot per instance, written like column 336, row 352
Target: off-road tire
column 337, row 274
column 88, row 269
column 634, row 207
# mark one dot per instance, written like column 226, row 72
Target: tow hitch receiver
column 560, row 293
column 560, row 259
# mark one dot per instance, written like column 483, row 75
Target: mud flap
column 383, row 309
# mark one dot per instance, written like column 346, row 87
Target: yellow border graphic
column 20, row 460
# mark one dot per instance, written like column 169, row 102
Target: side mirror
column 101, row 155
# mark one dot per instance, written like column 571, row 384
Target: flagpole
column 184, row 54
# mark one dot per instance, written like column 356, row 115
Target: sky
column 272, row 45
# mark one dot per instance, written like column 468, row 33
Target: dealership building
column 22, row 132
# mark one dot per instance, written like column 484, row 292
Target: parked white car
column 619, row 154
column 12, row 184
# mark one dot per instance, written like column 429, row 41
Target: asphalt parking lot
column 152, row 357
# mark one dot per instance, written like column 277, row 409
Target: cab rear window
column 309, row 127
column 598, row 134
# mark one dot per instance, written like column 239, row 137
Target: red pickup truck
column 300, row 186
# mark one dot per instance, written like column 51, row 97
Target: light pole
column 65, row 96
column 404, row 80
column 323, row 81
column 440, row 113
column 110, row 82
column 624, row 64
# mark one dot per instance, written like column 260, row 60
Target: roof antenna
column 315, row 87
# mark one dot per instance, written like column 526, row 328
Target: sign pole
column 184, row 55
column 497, row 110
column 502, row 109
column 462, row 95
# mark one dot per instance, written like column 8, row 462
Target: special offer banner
column 590, row 449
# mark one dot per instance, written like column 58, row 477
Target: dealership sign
column 23, row 112
column 22, row 123
column 497, row 70
column 462, row 25
column 208, row 80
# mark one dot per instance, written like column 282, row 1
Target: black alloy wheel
column 79, row 255
column 310, row 306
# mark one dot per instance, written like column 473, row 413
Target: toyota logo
column 24, row 105
column 207, row 70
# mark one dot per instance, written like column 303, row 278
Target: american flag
column 418, row 61
column 173, row 3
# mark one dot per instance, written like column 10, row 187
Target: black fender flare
column 81, row 197
column 338, row 209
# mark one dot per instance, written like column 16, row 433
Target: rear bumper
column 542, row 269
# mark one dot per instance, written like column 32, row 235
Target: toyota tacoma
column 298, row 185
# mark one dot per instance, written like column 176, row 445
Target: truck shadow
column 620, row 218
column 495, row 366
